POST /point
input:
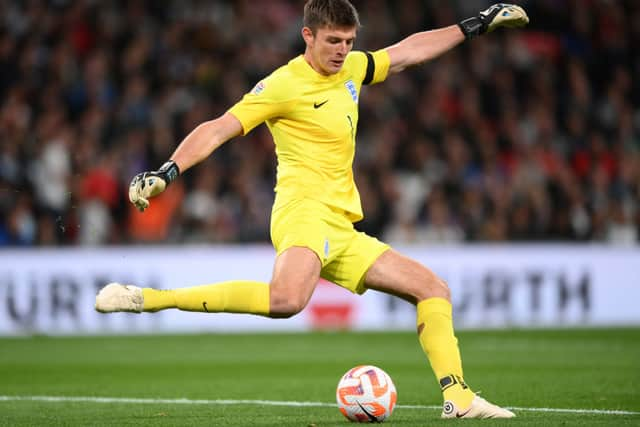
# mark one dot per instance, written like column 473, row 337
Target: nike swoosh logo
column 318, row 105
column 460, row 415
column 372, row 417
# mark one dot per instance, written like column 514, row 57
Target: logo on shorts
column 326, row 248
column 258, row 88
column 351, row 87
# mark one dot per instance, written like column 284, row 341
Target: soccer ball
column 366, row 394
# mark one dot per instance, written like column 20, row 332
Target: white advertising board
column 52, row 291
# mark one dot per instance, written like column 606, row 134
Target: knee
column 284, row 305
column 434, row 287
column 443, row 290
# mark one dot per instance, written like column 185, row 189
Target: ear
column 308, row 36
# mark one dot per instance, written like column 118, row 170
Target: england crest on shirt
column 351, row 87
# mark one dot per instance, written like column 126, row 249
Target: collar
column 301, row 67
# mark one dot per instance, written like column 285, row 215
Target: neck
column 309, row 58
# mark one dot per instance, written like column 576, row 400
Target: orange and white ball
column 366, row 394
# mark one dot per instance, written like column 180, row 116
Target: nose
column 343, row 48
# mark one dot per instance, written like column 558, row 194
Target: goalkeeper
column 311, row 108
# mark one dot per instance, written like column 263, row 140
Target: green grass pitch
column 583, row 370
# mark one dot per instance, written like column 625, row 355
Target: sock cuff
column 157, row 299
column 435, row 305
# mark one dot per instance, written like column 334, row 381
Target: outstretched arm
column 204, row 139
column 197, row 146
column 422, row 47
column 426, row 45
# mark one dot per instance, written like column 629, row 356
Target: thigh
column 358, row 252
column 396, row 274
column 295, row 275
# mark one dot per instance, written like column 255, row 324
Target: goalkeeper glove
column 150, row 184
column 498, row 15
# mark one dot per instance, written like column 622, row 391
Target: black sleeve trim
column 371, row 67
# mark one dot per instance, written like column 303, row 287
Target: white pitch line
column 577, row 411
column 272, row 403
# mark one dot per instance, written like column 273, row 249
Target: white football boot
column 116, row 297
column 479, row 408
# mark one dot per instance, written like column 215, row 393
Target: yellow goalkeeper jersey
column 313, row 120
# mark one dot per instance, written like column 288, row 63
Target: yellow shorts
column 346, row 254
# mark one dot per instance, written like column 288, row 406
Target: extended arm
column 197, row 146
column 204, row 139
column 422, row 47
column 426, row 45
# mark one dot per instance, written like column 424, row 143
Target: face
column 328, row 48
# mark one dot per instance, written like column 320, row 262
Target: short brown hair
column 330, row 13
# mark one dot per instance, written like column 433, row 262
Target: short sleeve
column 268, row 99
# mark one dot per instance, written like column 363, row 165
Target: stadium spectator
column 543, row 145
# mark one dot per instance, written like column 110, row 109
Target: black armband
column 371, row 66
column 169, row 171
column 472, row 27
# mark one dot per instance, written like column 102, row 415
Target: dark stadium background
column 525, row 135
column 519, row 150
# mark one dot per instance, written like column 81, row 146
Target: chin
column 333, row 69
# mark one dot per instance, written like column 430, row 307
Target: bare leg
column 295, row 275
column 396, row 274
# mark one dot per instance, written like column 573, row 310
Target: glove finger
column 135, row 196
column 517, row 16
column 510, row 16
column 141, row 203
column 134, row 193
column 524, row 18
column 153, row 186
column 134, row 188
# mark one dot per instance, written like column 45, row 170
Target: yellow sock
column 435, row 332
column 237, row 296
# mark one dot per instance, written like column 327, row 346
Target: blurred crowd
column 522, row 135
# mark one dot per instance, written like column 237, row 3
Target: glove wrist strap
column 169, row 171
column 472, row 27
